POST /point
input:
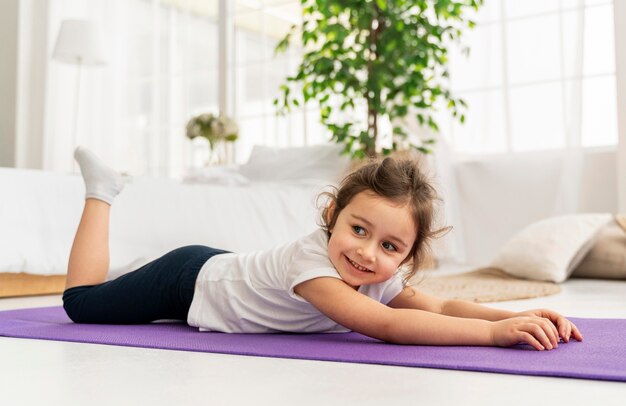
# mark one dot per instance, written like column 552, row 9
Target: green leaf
column 325, row 112
column 391, row 68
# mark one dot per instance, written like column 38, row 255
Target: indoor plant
column 366, row 61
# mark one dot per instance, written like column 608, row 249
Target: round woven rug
column 483, row 285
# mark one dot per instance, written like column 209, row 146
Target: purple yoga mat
column 602, row 355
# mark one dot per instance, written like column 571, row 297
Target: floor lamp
column 78, row 43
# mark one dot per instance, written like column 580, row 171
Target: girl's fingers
column 568, row 331
column 551, row 332
column 545, row 333
column 560, row 324
column 541, row 335
column 563, row 328
column 576, row 333
column 528, row 338
column 555, row 332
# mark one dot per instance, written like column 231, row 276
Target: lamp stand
column 75, row 124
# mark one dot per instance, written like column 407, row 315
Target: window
column 172, row 73
column 540, row 75
column 162, row 68
column 258, row 74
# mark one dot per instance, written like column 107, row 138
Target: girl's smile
column 372, row 237
column 357, row 266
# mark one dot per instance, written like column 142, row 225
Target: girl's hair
column 402, row 182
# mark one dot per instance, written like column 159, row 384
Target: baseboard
column 23, row 284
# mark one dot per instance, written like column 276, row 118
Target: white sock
column 101, row 182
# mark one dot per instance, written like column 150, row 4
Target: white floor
column 35, row 372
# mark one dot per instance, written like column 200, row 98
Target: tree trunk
column 372, row 102
column 372, row 130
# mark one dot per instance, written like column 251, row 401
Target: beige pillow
column 607, row 257
column 550, row 249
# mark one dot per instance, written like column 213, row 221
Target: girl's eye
column 358, row 230
column 389, row 246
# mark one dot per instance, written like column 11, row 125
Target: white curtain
column 161, row 68
column 534, row 78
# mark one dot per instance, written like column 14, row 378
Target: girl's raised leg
column 161, row 289
column 89, row 257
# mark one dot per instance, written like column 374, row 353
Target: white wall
column 501, row 195
column 619, row 14
column 8, row 80
column 32, row 63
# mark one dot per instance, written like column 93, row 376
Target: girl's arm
column 411, row 299
column 360, row 313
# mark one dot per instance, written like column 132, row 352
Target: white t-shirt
column 253, row 292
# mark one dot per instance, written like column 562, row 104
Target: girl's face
column 371, row 239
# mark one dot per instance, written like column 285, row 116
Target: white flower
column 214, row 128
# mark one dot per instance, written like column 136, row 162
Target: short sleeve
column 384, row 292
column 309, row 261
column 308, row 275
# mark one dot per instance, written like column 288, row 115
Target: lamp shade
column 79, row 42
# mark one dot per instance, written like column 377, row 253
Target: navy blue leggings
column 162, row 289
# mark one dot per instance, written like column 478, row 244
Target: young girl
column 345, row 276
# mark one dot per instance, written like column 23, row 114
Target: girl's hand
column 565, row 328
column 536, row 331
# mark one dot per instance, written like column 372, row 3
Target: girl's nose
column 367, row 252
